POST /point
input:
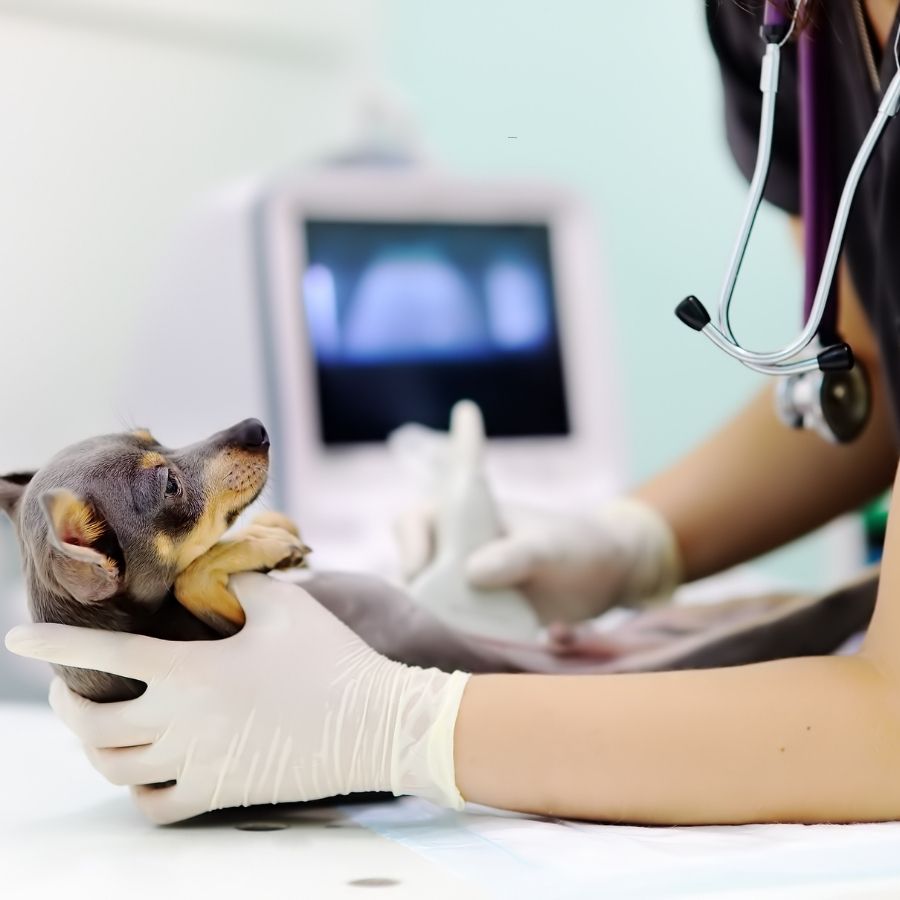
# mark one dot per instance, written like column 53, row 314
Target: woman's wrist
column 656, row 565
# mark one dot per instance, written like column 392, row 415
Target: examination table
column 66, row 833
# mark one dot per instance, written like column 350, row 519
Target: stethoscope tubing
column 768, row 84
column 775, row 362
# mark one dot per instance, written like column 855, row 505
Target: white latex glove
column 570, row 567
column 293, row 707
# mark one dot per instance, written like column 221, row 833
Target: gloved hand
column 293, row 707
column 571, row 568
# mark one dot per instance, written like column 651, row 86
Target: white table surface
column 66, row 834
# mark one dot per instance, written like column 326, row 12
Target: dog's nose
column 251, row 434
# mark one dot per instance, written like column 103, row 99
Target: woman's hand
column 570, row 567
column 293, row 707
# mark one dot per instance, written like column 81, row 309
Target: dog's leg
column 272, row 541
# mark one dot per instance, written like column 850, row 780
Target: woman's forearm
column 756, row 485
column 805, row 740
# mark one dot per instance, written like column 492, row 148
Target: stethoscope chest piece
column 835, row 405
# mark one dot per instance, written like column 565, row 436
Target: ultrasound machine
column 339, row 303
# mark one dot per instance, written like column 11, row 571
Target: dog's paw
column 295, row 557
column 271, row 546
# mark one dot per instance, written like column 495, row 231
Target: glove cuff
column 422, row 747
column 657, row 567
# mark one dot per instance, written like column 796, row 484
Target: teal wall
column 621, row 101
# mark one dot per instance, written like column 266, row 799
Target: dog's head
column 121, row 515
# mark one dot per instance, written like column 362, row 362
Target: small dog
column 121, row 533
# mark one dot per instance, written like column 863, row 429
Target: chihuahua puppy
column 119, row 532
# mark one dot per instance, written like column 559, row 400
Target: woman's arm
column 756, row 484
column 801, row 740
column 804, row 740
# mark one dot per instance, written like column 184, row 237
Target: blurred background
column 118, row 118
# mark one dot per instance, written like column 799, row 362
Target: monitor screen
column 406, row 318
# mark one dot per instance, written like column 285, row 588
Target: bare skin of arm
column 768, row 484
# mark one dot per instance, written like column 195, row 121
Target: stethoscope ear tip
column 693, row 313
column 836, row 358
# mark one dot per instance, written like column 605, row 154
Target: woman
column 296, row 707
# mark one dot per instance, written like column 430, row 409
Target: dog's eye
column 173, row 488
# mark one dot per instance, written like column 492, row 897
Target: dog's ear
column 76, row 532
column 12, row 488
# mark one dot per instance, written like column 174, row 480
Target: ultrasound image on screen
column 407, row 318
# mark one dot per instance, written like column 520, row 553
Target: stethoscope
column 824, row 392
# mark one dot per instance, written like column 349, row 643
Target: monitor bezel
column 406, row 194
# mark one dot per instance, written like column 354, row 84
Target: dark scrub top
column 872, row 243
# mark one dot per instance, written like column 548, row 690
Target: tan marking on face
column 143, row 435
column 73, row 520
column 232, row 479
column 210, row 527
column 165, row 547
column 152, row 460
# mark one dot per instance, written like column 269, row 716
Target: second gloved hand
column 572, row 567
column 293, row 707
